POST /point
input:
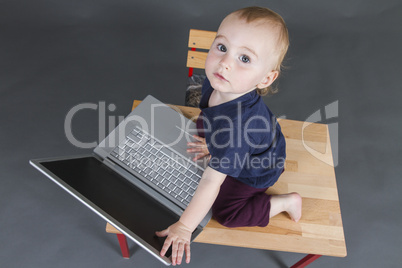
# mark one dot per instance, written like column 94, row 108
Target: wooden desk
column 320, row 230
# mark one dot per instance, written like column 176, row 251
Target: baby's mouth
column 220, row 77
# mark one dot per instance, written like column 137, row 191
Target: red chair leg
column 306, row 261
column 123, row 245
column 190, row 70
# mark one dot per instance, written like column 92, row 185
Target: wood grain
column 196, row 59
column 201, row 39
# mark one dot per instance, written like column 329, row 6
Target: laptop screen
column 115, row 196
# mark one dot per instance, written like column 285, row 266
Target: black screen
column 116, row 196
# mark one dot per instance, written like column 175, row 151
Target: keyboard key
column 152, row 141
column 151, row 175
column 193, row 169
column 183, row 195
column 170, row 169
column 145, row 162
column 185, row 187
column 171, row 187
column 161, row 171
column 157, row 145
column 134, row 139
column 178, row 191
column 182, row 169
column 191, row 191
column 159, row 178
column 167, row 176
column 119, row 151
column 193, row 185
column 166, row 151
column 181, row 177
column 142, row 166
column 200, row 172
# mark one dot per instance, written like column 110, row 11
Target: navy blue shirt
column 244, row 139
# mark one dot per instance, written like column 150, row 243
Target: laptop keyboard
column 174, row 176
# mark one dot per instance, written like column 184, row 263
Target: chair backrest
column 198, row 39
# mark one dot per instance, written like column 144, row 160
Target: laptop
column 140, row 178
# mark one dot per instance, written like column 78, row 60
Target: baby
column 238, row 132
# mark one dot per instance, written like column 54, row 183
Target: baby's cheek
column 208, row 63
column 211, row 59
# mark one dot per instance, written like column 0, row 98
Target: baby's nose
column 226, row 62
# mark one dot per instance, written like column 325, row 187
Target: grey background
column 55, row 55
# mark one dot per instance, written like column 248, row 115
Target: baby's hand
column 178, row 235
column 199, row 147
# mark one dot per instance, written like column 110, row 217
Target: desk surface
column 310, row 172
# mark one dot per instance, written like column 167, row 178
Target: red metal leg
column 306, row 261
column 190, row 70
column 123, row 246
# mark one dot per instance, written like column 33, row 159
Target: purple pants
column 238, row 204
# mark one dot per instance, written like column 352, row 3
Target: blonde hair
column 252, row 14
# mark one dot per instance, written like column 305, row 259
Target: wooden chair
column 201, row 40
column 320, row 230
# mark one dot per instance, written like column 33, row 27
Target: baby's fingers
column 174, row 252
column 195, row 150
column 162, row 233
column 180, row 251
column 196, row 144
column 166, row 246
column 199, row 138
column 199, row 156
column 188, row 254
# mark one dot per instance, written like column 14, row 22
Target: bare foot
column 295, row 206
column 290, row 203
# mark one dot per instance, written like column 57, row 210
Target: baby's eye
column 245, row 59
column 222, row 48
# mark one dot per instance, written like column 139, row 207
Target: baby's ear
column 268, row 79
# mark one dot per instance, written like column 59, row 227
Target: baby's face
column 242, row 57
